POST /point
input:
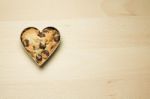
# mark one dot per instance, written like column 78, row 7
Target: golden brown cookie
column 40, row 45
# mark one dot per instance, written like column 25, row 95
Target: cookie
column 40, row 45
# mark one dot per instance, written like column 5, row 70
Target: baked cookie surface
column 40, row 45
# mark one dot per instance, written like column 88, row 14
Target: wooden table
column 104, row 53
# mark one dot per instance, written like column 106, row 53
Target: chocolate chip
column 40, row 34
column 42, row 46
column 56, row 38
column 45, row 31
column 26, row 43
column 53, row 29
column 46, row 52
column 52, row 47
column 33, row 47
column 39, row 57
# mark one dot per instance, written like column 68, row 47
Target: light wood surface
column 104, row 51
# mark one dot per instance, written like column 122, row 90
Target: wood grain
column 19, row 10
column 104, row 55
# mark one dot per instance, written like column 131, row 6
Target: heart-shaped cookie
column 40, row 45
